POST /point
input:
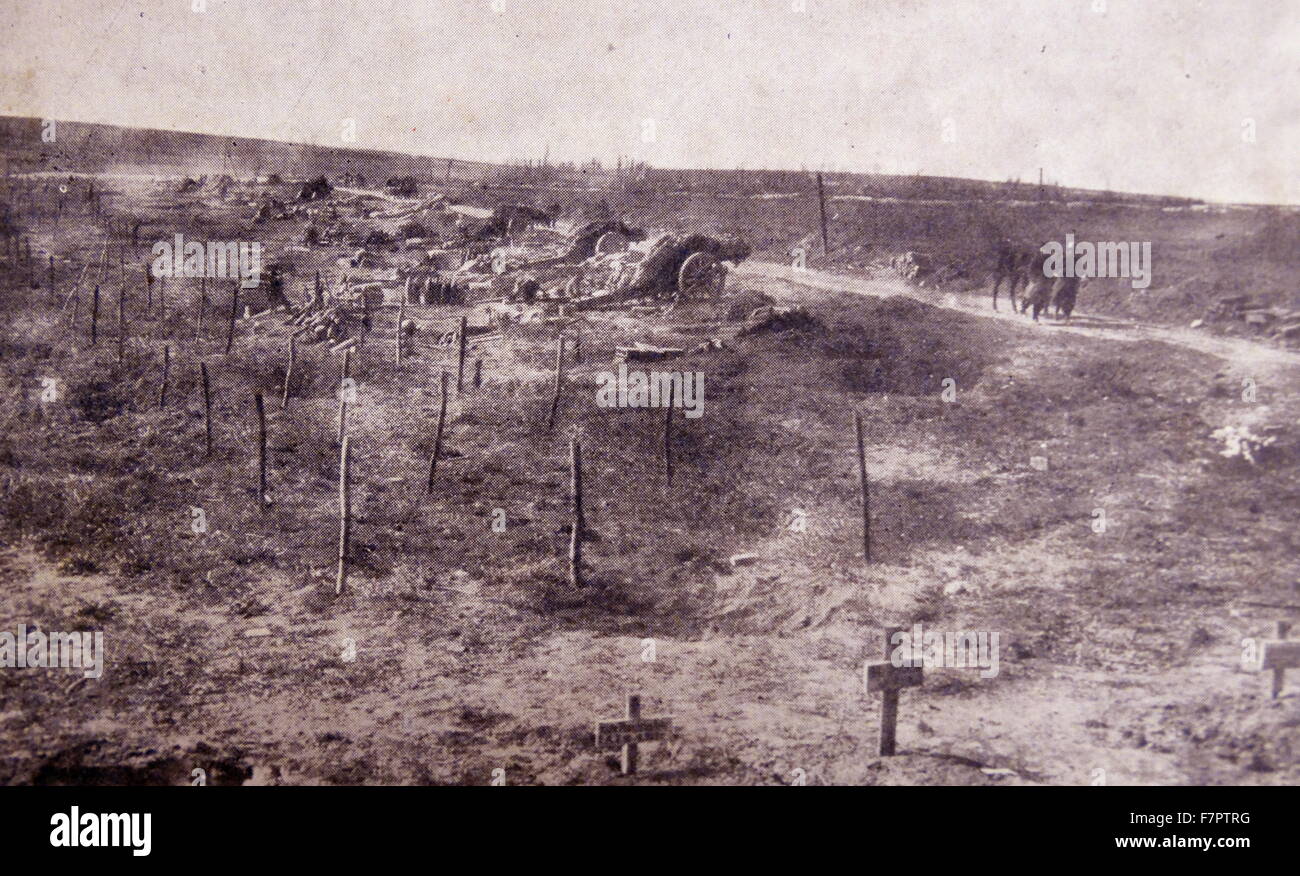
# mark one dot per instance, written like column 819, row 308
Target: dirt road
column 1239, row 351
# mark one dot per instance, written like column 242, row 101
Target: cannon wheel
column 611, row 241
column 701, row 276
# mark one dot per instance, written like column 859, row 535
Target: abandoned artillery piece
column 681, row 267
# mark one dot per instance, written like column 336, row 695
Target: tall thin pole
column 437, row 437
column 397, row 336
column 575, row 536
column 288, row 371
column 207, row 409
column 167, row 362
column 203, row 301
column 460, row 358
column 94, row 317
column 866, row 493
column 668, row 434
column 345, row 513
column 559, row 376
column 343, row 394
column 261, row 452
column 234, row 310
column 821, row 203
column 1280, row 630
column 121, row 322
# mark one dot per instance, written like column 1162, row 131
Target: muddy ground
column 458, row 650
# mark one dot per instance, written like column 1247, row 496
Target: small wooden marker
column 478, row 373
column 559, row 377
column 345, row 512
column 575, row 535
column 121, row 323
column 288, row 371
column 203, row 301
column 866, row 491
column 668, row 434
column 460, row 358
column 630, row 732
column 397, row 336
column 207, row 409
column 261, row 452
column 234, row 311
column 167, row 363
column 437, row 438
column 94, row 317
column 343, row 395
column 889, row 679
column 821, row 207
column 1279, row 655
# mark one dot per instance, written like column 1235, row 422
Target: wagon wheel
column 701, row 275
column 611, row 241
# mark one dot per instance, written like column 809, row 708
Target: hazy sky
column 1143, row 95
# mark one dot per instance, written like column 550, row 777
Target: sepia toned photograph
column 677, row 393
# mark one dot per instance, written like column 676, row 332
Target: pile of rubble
column 911, row 266
column 1275, row 322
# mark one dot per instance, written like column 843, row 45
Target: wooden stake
column 203, row 300
column 866, row 493
column 821, row 203
column 94, row 317
column 575, row 537
column 261, row 453
column 343, row 395
column 167, row 363
column 630, row 749
column 559, row 372
column 460, row 359
column 397, row 336
column 889, row 705
column 121, row 323
column 207, row 410
column 437, row 437
column 162, row 298
column 668, row 434
column 478, row 373
column 288, row 371
column 1280, row 630
column 234, row 311
column 345, row 513
column 53, row 295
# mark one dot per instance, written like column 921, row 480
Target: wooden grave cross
column 1279, row 655
column 888, row 680
column 630, row 731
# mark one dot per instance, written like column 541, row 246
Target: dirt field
column 459, row 650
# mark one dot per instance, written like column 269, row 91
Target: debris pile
column 777, row 319
column 1275, row 322
column 1240, row 443
column 315, row 190
column 911, row 266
